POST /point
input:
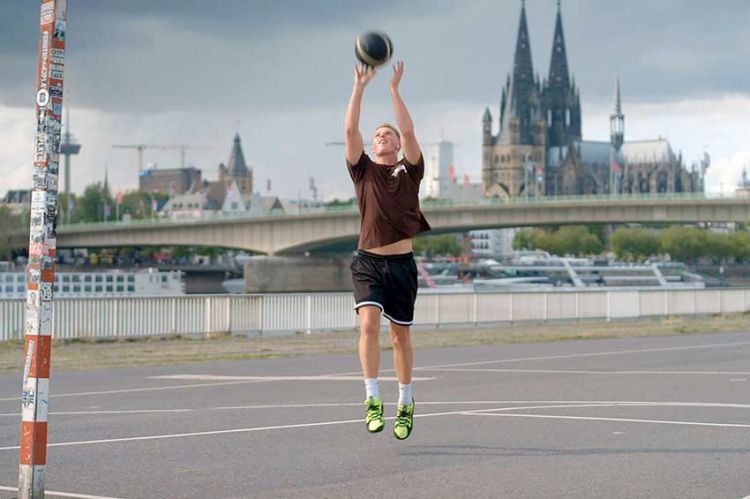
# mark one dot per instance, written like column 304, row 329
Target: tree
column 523, row 240
column 566, row 240
column 137, row 204
column 633, row 243
column 440, row 245
column 740, row 243
column 684, row 243
column 576, row 240
column 91, row 206
column 719, row 246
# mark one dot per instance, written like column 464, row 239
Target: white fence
column 204, row 314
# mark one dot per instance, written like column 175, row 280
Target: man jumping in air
column 383, row 269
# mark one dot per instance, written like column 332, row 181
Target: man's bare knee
column 399, row 335
column 369, row 320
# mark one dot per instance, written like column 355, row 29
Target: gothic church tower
column 561, row 102
column 510, row 159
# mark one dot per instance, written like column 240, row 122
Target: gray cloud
column 195, row 71
column 171, row 55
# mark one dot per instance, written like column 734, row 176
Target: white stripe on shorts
column 363, row 303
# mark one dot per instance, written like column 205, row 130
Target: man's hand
column 398, row 72
column 362, row 75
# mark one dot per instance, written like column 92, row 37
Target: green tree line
column 97, row 204
column 682, row 243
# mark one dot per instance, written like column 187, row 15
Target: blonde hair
column 387, row 125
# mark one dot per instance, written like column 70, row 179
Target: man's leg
column 369, row 344
column 403, row 356
column 403, row 360
column 369, row 357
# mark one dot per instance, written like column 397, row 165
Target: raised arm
column 409, row 144
column 354, row 144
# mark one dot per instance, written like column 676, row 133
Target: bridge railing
column 131, row 317
column 426, row 204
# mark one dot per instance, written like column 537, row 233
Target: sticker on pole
column 42, row 97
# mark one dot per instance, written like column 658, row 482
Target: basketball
column 373, row 48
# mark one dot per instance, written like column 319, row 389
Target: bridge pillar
column 292, row 274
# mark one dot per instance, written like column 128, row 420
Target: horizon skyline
column 668, row 91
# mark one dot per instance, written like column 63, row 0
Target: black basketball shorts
column 387, row 282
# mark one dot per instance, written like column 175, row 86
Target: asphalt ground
column 628, row 417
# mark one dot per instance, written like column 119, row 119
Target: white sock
column 404, row 394
column 372, row 388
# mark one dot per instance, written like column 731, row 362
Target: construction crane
column 141, row 147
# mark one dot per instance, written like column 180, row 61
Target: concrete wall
column 280, row 274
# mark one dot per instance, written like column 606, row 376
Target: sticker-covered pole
column 40, row 271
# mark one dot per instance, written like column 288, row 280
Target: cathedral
column 539, row 149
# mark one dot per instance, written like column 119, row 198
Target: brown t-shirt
column 388, row 197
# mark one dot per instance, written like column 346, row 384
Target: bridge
column 317, row 229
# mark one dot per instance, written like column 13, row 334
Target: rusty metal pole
column 40, row 271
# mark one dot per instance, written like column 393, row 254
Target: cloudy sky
column 280, row 72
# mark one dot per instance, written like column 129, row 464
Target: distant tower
column 237, row 169
column 68, row 148
column 561, row 102
column 437, row 164
column 617, row 121
column 616, row 138
column 509, row 159
column 487, row 128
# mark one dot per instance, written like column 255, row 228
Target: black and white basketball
column 373, row 48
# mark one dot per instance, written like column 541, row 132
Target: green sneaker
column 404, row 421
column 374, row 417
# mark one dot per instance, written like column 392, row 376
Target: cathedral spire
column 523, row 69
column 617, row 121
column 520, row 94
column 618, row 104
column 558, row 66
column 560, row 101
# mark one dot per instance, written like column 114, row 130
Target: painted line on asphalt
column 575, row 371
column 136, row 390
column 224, row 432
column 61, row 494
column 416, row 368
column 232, row 381
column 559, row 403
column 479, row 412
column 327, row 377
column 96, row 413
column 617, row 420
column 589, row 354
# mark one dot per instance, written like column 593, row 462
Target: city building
column 17, row 200
column 237, row 203
column 170, row 180
column 441, row 180
column 539, row 149
column 236, row 169
column 492, row 243
column 190, row 205
column 438, row 159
